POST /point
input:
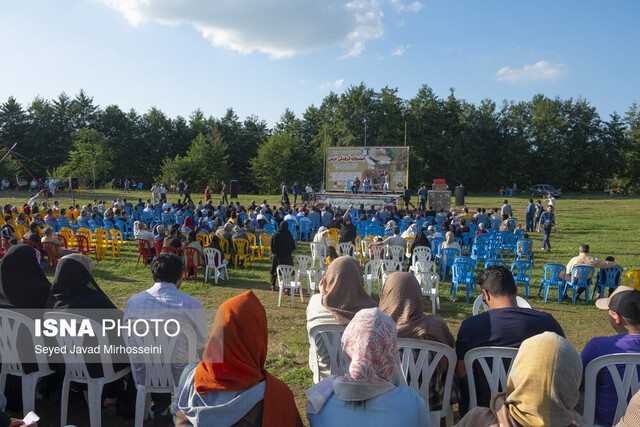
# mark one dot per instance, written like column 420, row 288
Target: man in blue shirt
column 294, row 189
column 547, row 221
column 624, row 317
column 422, row 197
column 530, row 215
column 504, row 325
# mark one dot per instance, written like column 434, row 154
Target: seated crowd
column 231, row 386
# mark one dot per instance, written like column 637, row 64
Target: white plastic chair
column 421, row 253
column 158, row 372
column 287, row 280
column 318, row 254
column 626, row 384
column 76, row 368
column 496, row 375
column 327, row 340
column 395, row 253
column 478, row 303
column 419, row 360
column 376, row 252
column 430, row 283
column 12, row 323
column 346, row 248
column 371, row 274
column 301, row 264
column 387, row 268
column 314, row 276
column 424, row 265
column 212, row 256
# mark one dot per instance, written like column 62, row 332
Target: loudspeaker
column 73, row 183
column 235, row 188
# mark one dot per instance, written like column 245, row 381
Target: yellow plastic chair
column 241, row 247
column 118, row 241
column 102, row 237
column 68, row 234
column 253, row 246
column 203, row 239
column 633, row 278
column 87, row 233
column 333, row 233
column 265, row 245
column 101, row 245
column 224, row 245
column 20, row 231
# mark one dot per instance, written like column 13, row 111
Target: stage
column 344, row 200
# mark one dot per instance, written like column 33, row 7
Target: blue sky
column 260, row 57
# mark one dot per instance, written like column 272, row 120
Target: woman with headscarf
column 22, row 281
column 542, row 388
column 22, row 219
column 140, row 232
column 421, row 239
column 282, row 246
column 450, row 242
column 192, row 242
column 348, row 232
column 214, row 242
column 402, row 300
column 37, row 218
column 188, row 223
column 373, row 391
column 74, row 287
column 341, row 295
column 231, row 385
column 411, row 231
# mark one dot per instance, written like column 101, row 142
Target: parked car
column 540, row 190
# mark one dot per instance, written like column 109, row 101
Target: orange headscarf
column 245, row 339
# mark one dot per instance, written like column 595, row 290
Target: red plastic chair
column 53, row 254
column 33, row 244
column 144, row 251
column 170, row 249
column 84, row 247
column 62, row 239
column 193, row 261
column 158, row 246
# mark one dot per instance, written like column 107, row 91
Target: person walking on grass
column 547, row 221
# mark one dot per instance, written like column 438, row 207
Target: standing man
column 163, row 192
column 547, row 221
column 309, row 191
column 422, row 198
column 551, row 201
column 539, row 210
column 53, row 187
column 506, row 211
column 624, row 317
column 530, row 216
column 406, row 196
column 224, row 192
column 294, row 189
column 180, row 187
column 387, row 183
column 155, row 193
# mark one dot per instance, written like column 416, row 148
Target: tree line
column 563, row 142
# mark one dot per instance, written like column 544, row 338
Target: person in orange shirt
column 207, row 194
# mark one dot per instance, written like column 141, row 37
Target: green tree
column 90, row 158
column 281, row 158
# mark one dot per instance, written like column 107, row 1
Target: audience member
column 341, row 295
column 231, row 386
column 542, row 387
column 584, row 258
column 22, row 281
column 624, row 317
column 282, row 246
column 48, row 238
column 373, row 391
column 504, row 325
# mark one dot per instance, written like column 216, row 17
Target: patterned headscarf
column 369, row 344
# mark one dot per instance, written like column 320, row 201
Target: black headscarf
column 348, row 232
column 421, row 240
column 282, row 243
column 22, row 281
column 74, row 287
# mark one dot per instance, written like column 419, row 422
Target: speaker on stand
column 235, row 189
column 73, row 185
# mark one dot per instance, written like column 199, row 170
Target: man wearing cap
column 624, row 317
column 433, row 234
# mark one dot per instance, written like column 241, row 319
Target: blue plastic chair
column 521, row 271
column 430, row 219
column 581, row 275
column 524, row 249
column 482, row 221
column 467, row 260
column 612, row 279
column 466, row 242
column 462, row 274
column 269, row 228
column 510, row 243
column 293, row 228
column 305, row 230
column 479, row 252
column 491, row 262
column 482, row 238
column 553, row 277
column 54, row 225
column 447, row 258
column 125, row 229
column 436, row 242
column 495, row 224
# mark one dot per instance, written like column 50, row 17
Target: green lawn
column 605, row 224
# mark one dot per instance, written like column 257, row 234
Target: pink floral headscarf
column 370, row 344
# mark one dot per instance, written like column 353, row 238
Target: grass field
column 605, row 224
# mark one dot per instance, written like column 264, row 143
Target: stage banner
column 344, row 164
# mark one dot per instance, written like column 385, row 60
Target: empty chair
column 214, row 261
column 495, row 374
column 463, row 274
column 421, row 266
column 421, row 253
column 318, row 254
column 447, row 258
column 371, row 274
column 553, row 277
column 287, row 280
column 314, row 276
column 491, row 262
column 521, row 271
column 345, row 248
column 609, row 278
column 524, row 249
column 395, row 253
column 302, row 263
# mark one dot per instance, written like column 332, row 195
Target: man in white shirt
column 309, row 191
column 396, row 239
column 164, row 301
column 290, row 215
column 433, row 234
column 53, row 186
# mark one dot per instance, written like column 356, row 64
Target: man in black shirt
column 504, row 325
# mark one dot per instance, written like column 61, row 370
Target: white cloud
column 399, row 50
column 541, row 70
column 279, row 28
column 331, row 85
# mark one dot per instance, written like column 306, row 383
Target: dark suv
column 540, row 190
